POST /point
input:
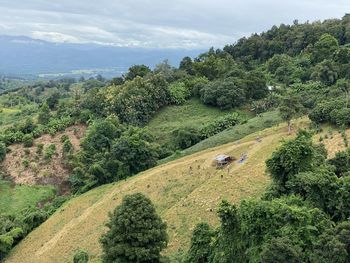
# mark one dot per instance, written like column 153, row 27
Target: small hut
column 222, row 160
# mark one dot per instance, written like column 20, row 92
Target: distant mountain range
column 24, row 55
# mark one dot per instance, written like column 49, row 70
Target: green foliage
column 81, row 256
column 111, row 152
column 334, row 245
column 219, row 125
column 44, row 114
column 290, row 107
column 49, row 152
column 52, row 100
column 324, row 48
column 281, row 250
column 39, row 148
column 325, row 111
column 186, row 137
column 326, row 72
column 25, row 163
column 178, row 93
column 14, row 227
column 135, row 232
column 186, row 64
column 3, row 151
column 136, row 150
column 137, row 71
column 91, row 84
column 224, row 94
column 136, row 101
column 28, row 140
column 341, row 162
column 294, row 156
column 67, row 148
column 199, row 251
column 213, row 66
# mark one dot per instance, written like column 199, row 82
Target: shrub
column 64, row 138
column 25, row 163
column 3, row 151
column 28, row 140
column 67, row 147
column 81, row 256
column 340, row 117
column 49, row 151
column 219, row 125
column 178, row 93
column 186, row 137
column 39, row 148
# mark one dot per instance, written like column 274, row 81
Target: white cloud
column 157, row 23
column 54, row 37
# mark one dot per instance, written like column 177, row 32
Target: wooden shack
column 222, row 160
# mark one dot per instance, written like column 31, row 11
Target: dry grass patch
column 26, row 166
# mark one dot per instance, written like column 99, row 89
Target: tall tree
column 136, row 233
column 290, row 107
column 137, row 71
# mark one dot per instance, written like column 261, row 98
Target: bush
column 178, row 93
column 186, row 137
column 67, row 147
column 25, row 163
column 3, row 150
column 64, row 138
column 281, row 250
column 81, row 256
column 340, row 117
column 219, row 125
column 341, row 162
column 50, row 151
column 39, row 148
column 28, row 140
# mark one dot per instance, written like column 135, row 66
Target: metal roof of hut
column 222, row 158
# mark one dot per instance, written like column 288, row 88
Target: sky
column 189, row 24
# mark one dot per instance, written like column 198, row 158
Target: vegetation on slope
column 302, row 68
column 14, row 198
column 185, row 192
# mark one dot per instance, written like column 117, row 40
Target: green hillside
column 193, row 113
column 14, row 198
column 185, row 192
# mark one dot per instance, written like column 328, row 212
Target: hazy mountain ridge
column 24, row 55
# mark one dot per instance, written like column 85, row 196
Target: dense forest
column 298, row 69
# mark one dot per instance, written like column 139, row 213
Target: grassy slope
column 192, row 113
column 238, row 132
column 185, row 192
column 14, row 199
column 9, row 115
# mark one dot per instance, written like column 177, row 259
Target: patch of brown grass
column 40, row 171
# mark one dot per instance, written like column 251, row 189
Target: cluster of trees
column 188, row 136
column 303, row 217
column 13, row 228
column 111, row 151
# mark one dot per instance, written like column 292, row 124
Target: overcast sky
column 157, row 23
